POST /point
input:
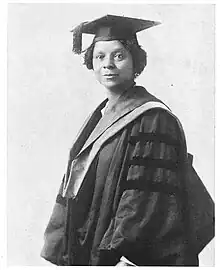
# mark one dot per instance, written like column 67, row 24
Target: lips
column 110, row 75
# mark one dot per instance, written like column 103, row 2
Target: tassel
column 77, row 38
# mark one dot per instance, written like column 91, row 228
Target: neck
column 115, row 92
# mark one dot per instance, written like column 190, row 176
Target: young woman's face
column 112, row 63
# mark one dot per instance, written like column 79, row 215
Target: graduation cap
column 110, row 27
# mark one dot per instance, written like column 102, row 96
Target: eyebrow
column 114, row 51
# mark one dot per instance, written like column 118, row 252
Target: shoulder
column 157, row 121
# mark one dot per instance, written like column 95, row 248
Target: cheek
column 97, row 71
column 127, row 68
column 96, row 65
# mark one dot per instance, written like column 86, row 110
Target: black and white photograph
column 110, row 134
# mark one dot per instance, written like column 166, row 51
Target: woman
column 122, row 199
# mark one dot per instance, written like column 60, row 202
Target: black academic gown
column 131, row 202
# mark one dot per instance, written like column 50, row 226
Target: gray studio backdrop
column 50, row 93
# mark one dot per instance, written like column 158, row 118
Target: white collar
column 103, row 109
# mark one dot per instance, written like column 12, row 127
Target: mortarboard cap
column 110, row 27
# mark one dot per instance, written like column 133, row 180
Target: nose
column 108, row 63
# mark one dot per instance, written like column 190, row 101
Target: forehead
column 108, row 46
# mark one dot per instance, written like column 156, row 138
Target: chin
column 111, row 85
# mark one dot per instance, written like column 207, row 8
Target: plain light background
column 50, row 93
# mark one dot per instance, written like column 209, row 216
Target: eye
column 119, row 56
column 99, row 56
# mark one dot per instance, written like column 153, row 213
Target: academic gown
column 131, row 201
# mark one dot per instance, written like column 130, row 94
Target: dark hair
column 139, row 56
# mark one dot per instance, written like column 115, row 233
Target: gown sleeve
column 150, row 222
column 53, row 249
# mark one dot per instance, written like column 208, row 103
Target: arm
column 53, row 248
column 150, row 220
